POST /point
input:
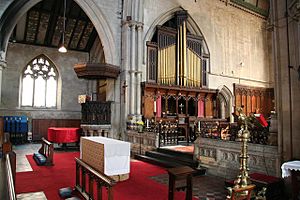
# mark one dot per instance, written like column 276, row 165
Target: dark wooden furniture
column 7, row 166
column 40, row 126
column 83, row 170
column 47, row 150
column 96, row 70
column 236, row 193
column 254, row 99
column 274, row 185
column 96, row 112
column 295, row 184
column 181, row 173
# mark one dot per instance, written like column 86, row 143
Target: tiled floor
column 24, row 166
column 205, row 187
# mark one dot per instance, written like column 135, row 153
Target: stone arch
column 191, row 25
column 18, row 8
column 226, row 102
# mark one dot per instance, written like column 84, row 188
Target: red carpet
column 49, row 179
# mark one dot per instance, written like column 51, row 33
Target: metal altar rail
column 95, row 112
column 83, row 170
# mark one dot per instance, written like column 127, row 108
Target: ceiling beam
column 52, row 23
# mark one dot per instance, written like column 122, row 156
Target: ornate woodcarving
column 204, row 100
column 254, row 99
column 96, row 70
column 94, row 112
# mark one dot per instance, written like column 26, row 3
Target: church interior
column 139, row 99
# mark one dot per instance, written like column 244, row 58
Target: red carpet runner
column 49, row 179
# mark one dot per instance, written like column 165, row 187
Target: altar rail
column 222, row 157
column 101, row 180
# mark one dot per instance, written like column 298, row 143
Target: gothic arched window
column 39, row 83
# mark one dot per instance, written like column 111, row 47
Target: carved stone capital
column 3, row 63
column 139, row 26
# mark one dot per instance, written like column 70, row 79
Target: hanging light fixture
column 62, row 48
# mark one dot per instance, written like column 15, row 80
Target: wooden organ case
column 176, row 86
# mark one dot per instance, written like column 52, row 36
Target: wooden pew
column 47, row 150
column 83, row 170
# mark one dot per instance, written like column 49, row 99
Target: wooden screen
column 254, row 99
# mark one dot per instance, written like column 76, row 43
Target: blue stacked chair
column 17, row 126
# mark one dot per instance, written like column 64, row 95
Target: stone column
column 132, row 68
column 125, row 76
column 139, row 68
column 2, row 66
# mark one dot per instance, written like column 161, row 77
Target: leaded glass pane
column 39, row 92
column 51, row 92
column 27, row 91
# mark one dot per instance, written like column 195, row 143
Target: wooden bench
column 45, row 153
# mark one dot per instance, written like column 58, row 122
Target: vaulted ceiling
column 43, row 25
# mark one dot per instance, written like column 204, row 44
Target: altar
column 109, row 156
column 63, row 135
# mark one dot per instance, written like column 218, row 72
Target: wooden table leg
column 189, row 188
column 171, row 187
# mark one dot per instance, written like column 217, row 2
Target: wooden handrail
column 10, row 176
column 94, row 175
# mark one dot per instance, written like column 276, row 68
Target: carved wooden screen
column 254, row 99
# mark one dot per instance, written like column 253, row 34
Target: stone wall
column 69, row 86
column 142, row 142
column 222, row 157
column 239, row 43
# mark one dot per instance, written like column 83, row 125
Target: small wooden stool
column 181, row 173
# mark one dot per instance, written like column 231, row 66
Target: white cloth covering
column 288, row 166
column 116, row 155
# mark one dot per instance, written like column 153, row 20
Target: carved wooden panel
column 254, row 99
column 203, row 99
column 40, row 126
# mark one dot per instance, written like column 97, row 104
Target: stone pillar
column 139, row 68
column 2, row 66
column 125, row 76
column 132, row 68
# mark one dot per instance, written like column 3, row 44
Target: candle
column 154, row 106
column 147, row 123
column 199, row 126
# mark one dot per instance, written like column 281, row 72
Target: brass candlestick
column 243, row 179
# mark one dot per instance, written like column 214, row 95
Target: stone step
column 183, row 160
column 157, row 161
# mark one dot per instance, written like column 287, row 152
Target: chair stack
column 17, row 127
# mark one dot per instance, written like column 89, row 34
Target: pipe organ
column 175, row 56
column 176, row 72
